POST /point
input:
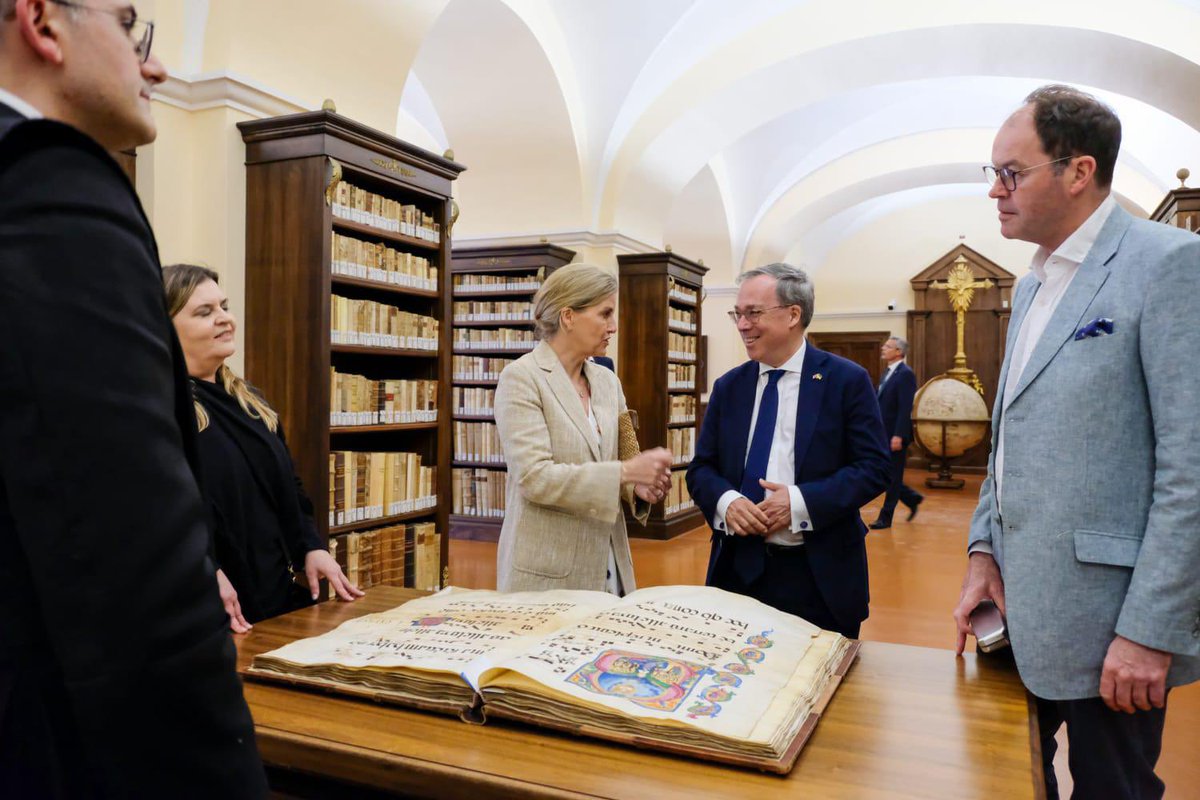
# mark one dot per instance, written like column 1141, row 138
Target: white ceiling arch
column 572, row 114
column 722, row 119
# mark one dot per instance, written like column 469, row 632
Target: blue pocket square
column 1100, row 326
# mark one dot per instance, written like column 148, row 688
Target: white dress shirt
column 1054, row 272
column 19, row 105
column 781, row 464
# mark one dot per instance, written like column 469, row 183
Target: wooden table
column 906, row 722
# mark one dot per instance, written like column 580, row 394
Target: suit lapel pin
column 818, row 376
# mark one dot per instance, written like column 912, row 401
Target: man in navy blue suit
column 897, row 386
column 791, row 447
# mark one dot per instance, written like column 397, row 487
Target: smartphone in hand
column 988, row 627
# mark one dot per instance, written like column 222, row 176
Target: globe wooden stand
column 945, row 478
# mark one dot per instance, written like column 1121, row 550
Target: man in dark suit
column 790, row 448
column 116, row 666
column 604, row 361
column 897, row 386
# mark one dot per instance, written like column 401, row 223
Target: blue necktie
column 760, row 442
column 749, row 555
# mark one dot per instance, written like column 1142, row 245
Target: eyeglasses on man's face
column 1008, row 177
column 751, row 315
column 139, row 31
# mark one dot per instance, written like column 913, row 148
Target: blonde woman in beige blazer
column 557, row 418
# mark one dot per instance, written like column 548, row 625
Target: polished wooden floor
column 916, row 571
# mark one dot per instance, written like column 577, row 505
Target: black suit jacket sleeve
column 100, row 515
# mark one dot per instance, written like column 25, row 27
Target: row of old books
column 474, row 401
column 492, row 311
column 682, row 408
column 367, row 208
column 681, row 376
column 679, row 498
column 480, row 492
column 371, row 324
column 479, row 368
column 477, row 443
column 678, row 291
column 355, row 258
column 493, row 339
column 397, row 555
column 365, row 486
column 681, row 346
column 499, row 283
column 682, row 443
column 358, row 400
column 680, row 319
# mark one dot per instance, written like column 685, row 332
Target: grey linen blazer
column 564, row 490
column 1100, row 532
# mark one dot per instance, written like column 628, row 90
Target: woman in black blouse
column 262, row 519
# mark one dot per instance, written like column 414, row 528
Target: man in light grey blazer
column 1087, row 532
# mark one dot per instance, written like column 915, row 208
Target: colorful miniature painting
column 654, row 682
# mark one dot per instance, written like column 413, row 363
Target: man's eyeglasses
column 1008, row 177
column 140, row 32
column 752, row 315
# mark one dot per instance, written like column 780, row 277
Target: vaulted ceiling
column 740, row 131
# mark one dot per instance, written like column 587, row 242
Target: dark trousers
column 1111, row 754
column 787, row 583
column 896, row 489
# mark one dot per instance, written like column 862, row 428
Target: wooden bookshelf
column 296, row 166
column 500, row 267
column 656, row 290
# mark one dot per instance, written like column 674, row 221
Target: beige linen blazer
column 564, row 489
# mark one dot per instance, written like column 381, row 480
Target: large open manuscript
column 687, row 669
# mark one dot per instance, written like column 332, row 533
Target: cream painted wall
column 866, row 270
column 195, row 195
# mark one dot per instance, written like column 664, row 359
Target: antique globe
column 949, row 419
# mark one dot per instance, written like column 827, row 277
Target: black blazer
column 116, row 664
column 896, row 401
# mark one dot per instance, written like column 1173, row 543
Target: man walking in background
column 897, row 386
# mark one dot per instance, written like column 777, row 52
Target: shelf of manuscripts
column 681, row 347
column 660, row 362
column 682, row 444
column 473, row 402
column 493, row 312
column 477, row 443
column 682, row 320
column 364, row 487
column 681, row 377
column 479, row 492
column 492, row 315
column 679, row 500
column 348, row 281
column 357, row 401
column 681, row 410
column 492, row 340
column 394, row 555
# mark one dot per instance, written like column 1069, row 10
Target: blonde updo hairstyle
column 180, row 281
column 575, row 286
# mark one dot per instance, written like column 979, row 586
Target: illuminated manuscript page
column 689, row 656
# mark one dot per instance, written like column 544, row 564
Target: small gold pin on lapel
column 818, row 376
